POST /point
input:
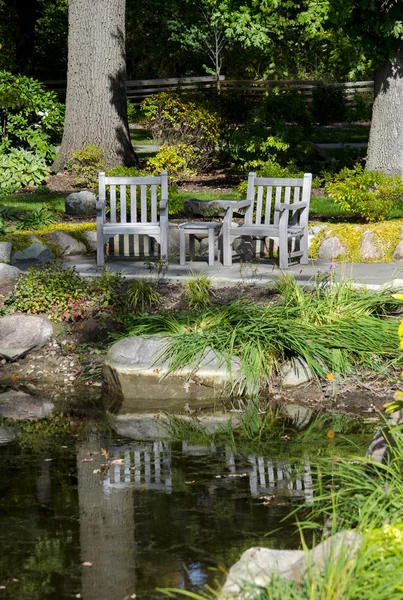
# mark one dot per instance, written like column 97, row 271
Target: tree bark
column 96, row 109
column 385, row 148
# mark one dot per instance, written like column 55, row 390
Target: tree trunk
column 96, row 109
column 385, row 148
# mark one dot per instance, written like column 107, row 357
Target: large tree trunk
column 385, row 148
column 96, row 109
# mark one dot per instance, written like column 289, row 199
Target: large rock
column 5, row 252
column 258, row 565
column 200, row 208
column 331, row 248
column 398, row 251
column 134, row 377
column 81, row 204
column 369, row 248
column 20, row 406
column 67, row 245
column 7, row 435
column 21, row 333
column 90, row 240
column 295, row 373
column 35, row 251
column 8, row 274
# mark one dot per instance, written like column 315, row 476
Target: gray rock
column 8, row 274
column 200, row 208
column 398, row 251
column 369, row 249
column 271, row 246
column 5, row 252
column 331, row 248
column 244, row 248
column 7, row 435
column 35, row 251
column 300, row 415
column 257, row 565
column 67, row 245
column 21, row 333
column 90, row 240
column 134, row 375
column 18, row 405
column 315, row 229
column 82, row 204
column 295, row 373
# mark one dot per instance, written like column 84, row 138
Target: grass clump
column 334, row 329
column 140, row 295
column 198, row 290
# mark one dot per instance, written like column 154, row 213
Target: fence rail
column 138, row 89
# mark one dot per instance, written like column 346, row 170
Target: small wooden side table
column 194, row 230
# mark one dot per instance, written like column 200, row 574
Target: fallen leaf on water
column 118, row 461
column 47, row 459
column 78, row 595
column 96, row 470
column 3, row 587
column 87, row 459
column 87, row 564
column 189, row 482
column 105, row 453
column 64, row 446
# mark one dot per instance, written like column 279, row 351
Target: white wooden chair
column 147, row 215
column 274, row 208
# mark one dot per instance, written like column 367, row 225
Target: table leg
column 182, row 247
column 211, row 246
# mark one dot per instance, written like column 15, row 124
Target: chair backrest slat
column 259, row 202
column 123, row 203
column 112, row 201
column 154, row 204
column 268, row 208
column 143, row 203
column 133, row 203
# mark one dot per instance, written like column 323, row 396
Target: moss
column 386, row 235
column 21, row 239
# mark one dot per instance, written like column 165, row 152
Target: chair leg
column 304, row 248
column 182, row 247
column 226, row 248
column 100, row 251
column 283, row 251
column 191, row 247
column 211, row 247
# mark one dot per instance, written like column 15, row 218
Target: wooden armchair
column 146, row 215
column 274, row 208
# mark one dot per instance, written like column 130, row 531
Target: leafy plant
column 365, row 195
column 86, row 164
column 198, row 290
column 20, row 168
column 139, row 295
column 328, row 104
column 36, row 219
column 179, row 161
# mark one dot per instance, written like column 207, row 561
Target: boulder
column 21, row 333
column 398, row 251
column 8, row 274
column 90, row 240
column 15, row 404
column 81, row 204
column 271, row 246
column 134, row 375
column 200, row 208
column 369, row 249
column 7, row 435
column 257, row 565
column 35, row 251
column 5, row 252
column 295, row 373
column 67, row 245
column 331, row 248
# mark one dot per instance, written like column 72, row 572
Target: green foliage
column 121, row 171
column 343, row 325
column 86, row 164
column 360, row 107
column 174, row 119
column 58, row 429
column 328, row 104
column 132, row 112
column 36, row 219
column 20, row 168
column 31, row 118
column 178, row 160
column 365, row 195
column 139, row 295
column 198, row 290
column 286, row 107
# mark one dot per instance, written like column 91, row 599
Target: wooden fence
column 139, row 89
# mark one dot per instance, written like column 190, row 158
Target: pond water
column 109, row 518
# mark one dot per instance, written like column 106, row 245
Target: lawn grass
column 141, row 137
column 27, row 202
column 339, row 136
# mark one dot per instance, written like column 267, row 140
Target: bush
column 21, row 168
column 178, row 160
column 286, row 107
column 198, row 290
column 360, row 107
column 36, row 219
column 176, row 120
column 86, row 164
column 365, row 195
column 30, row 116
column 328, row 104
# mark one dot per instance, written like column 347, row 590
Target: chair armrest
column 99, row 205
column 294, row 206
column 232, row 205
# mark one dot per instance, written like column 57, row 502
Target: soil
column 68, row 367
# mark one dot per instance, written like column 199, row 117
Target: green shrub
column 30, row 116
column 365, row 195
column 20, row 168
column 360, row 106
column 140, row 294
column 271, row 168
column 121, row 171
column 197, row 290
column 86, row 164
column 286, row 107
column 328, row 104
column 178, row 160
column 173, row 119
column 36, row 219
column 133, row 113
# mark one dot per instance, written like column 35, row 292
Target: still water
column 109, row 518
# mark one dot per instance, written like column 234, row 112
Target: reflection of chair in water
column 144, row 464
column 272, row 476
